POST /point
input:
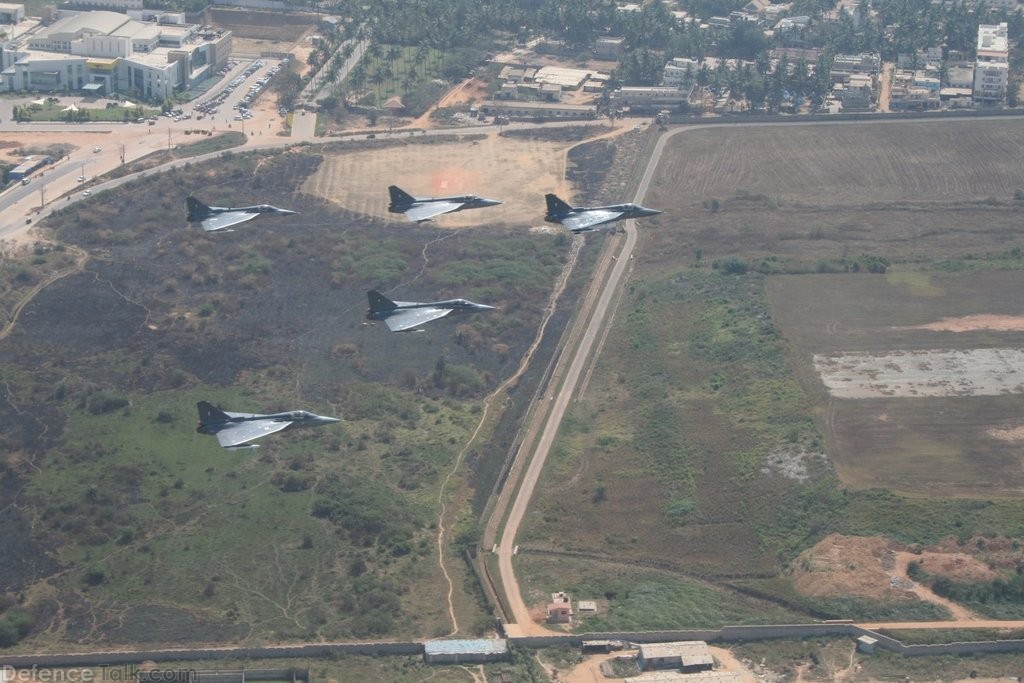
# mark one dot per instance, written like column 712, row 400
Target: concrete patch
column 971, row 372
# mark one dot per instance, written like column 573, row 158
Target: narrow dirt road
column 81, row 257
column 523, row 624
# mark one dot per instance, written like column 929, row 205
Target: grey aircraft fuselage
column 234, row 429
column 590, row 218
column 420, row 209
column 401, row 316
column 218, row 218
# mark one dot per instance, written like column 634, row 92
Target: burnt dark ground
column 161, row 305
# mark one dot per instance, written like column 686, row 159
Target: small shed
column 559, row 613
column 394, row 105
column 866, row 644
column 592, row 646
column 457, row 651
column 688, row 656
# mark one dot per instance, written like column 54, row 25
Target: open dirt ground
column 905, row 373
column 876, row 568
column 516, row 171
column 968, row 323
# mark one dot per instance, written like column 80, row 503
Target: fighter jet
column 587, row 219
column 402, row 316
column 234, row 430
column 422, row 209
column 217, row 218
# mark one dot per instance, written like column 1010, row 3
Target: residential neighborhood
column 619, row 59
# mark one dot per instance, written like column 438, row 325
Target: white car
column 87, row 193
column 81, row 178
column 97, row 150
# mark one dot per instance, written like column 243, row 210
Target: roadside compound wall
column 728, row 634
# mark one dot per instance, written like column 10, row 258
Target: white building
column 681, row 72
column 648, row 98
column 992, row 68
column 11, row 13
column 990, row 80
column 111, row 52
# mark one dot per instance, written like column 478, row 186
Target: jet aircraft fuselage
column 234, row 429
column 217, row 218
column 420, row 209
column 589, row 218
column 401, row 316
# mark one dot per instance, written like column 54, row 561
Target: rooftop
column 91, row 22
column 483, row 646
column 691, row 652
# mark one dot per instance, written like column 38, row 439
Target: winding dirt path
column 81, row 259
column 957, row 611
column 524, row 364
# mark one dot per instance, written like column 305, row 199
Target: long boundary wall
column 727, row 634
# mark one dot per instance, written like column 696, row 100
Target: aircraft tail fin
column 556, row 206
column 399, row 196
column 379, row 302
column 209, row 413
column 196, row 209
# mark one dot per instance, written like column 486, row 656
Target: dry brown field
column 254, row 32
column 922, row 189
column 964, row 441
column 516, row 171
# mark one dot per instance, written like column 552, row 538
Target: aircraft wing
column 426, row 211
column 247, row 431
column 406, row 320
column 226, row 220
column 588, row 220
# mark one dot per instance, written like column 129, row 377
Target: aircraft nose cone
column 286, row 212
column 329, row 420
column 491, row 202
column 485, row 307
column 650, row 212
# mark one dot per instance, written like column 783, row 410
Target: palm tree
column 378, row 79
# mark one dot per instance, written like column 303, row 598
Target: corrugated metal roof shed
column 475, row 646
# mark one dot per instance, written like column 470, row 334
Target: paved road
column 557, row 411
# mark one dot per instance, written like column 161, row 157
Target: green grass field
column 636, row 598
column 147, row 532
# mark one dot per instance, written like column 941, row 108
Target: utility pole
column 122, row 153
column 42, row 197
column 168, row 137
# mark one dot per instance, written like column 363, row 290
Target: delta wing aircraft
column 420, row 209
column 217, row 218
column 235, row 430
column 587, row 219
column 401, row 316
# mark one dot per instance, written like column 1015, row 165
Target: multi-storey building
column 992, row 68
column 149, row 53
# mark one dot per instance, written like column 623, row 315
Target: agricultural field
column 713, row 439
column 816, row 198
column 921, row 393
